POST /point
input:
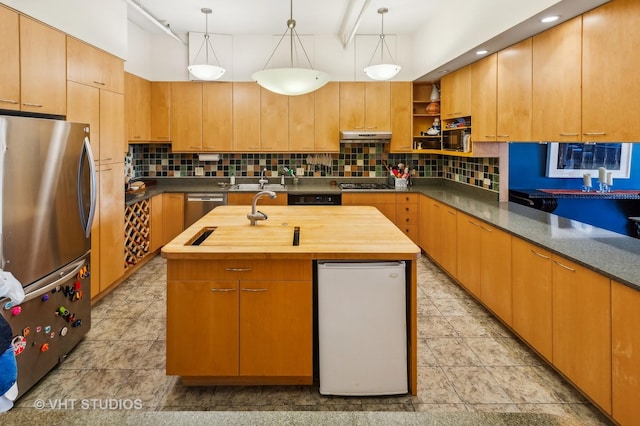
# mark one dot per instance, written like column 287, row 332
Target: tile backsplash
column 354, row 160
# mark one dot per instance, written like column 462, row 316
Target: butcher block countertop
column 325, row 232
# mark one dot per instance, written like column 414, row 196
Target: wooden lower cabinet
column 252, row 324
column 441, row 234
column 407, row 215
column 582, row 329
column 532, row 295
column 495, row 275
column 202, row 328
column 469, row 249
column 385, row 202
column 172, row 216
column 625, row 339
column 155, row 225
column 276, row 328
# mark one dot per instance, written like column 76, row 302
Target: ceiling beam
column 351, row 20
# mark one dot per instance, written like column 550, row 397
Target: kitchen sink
column 255, row 187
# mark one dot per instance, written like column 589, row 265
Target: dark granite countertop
column 611, row 254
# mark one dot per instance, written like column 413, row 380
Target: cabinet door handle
column 239, row 269
column 539, row 254
column 452, row 213
column 32, row 105
column 569, row 134
column 490, row 136
column 162, row 137
column 254, row 290
column 100, row 83
column 594, row 133
column 564, row 266
column 222, row 290
column 473, row 223
column 9, row 101
column 195, row 147
column 503, row 136
column 486, row 229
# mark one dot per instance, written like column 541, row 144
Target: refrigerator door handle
column 62, row 276
column 88, row 155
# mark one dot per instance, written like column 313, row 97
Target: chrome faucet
column 256, row 215
column 263, row 178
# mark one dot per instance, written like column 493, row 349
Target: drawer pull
column 254, row 290
column 452, row 213
column 100, row 83
column 239, row 269
column 569, row 134
column 594, row 133
column 486, row 229
column 9, row 101
column 539, row 254
column 32, row 105
column 222, row 290
column 474, row 223
column 564, row 266
column 503, row 136
column 490, row 136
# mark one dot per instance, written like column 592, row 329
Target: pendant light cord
column 291, row 26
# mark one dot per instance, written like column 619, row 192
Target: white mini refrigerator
column 362, row 328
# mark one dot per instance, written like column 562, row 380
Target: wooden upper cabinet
column 401, row 110
column 186, row 116
column 160, row 111
column 217, row 116
column 43, row 68
column 10, row 59
column 484, row 93
column 138, row 108
column 455, row 94
column 327, row 118
column 377, row 105
column 246, row 116
column 610, row 83
column 113, row 143
column 351, row 105
column 83, row 106
column 89, row 65
column 302, row 123
column 365, row 106
column 556, row 94
column 274, row 123
column 514, row 92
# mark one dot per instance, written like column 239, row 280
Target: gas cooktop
column 366, row 187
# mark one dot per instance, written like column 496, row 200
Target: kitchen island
column 240, row 298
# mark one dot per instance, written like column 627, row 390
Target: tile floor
column 468, row 362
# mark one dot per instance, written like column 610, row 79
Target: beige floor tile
column 452, row 352
column 476, row 385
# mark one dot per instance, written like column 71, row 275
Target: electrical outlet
column 487, row 182
column 300, row 171
column 199, row 171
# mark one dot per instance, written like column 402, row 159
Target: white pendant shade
column 382, row 71
column 291, row 81
column 206, row 72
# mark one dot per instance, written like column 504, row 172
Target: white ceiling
column 270, row 16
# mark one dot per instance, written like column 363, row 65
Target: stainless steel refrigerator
column 47, row 188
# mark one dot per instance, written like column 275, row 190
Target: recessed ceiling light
column 482, row 52
column 548, row 19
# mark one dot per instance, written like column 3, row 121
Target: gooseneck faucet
column 256, row 215
column 263, row 178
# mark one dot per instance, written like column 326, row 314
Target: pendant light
column 206, row 71
column 382, row 71
column 291, row 81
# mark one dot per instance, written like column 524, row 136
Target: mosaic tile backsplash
column 354, row 160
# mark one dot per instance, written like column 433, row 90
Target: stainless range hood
column 364, row 135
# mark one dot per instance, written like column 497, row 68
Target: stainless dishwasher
column 199, row 204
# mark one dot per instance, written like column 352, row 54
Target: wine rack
column 136, row 218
